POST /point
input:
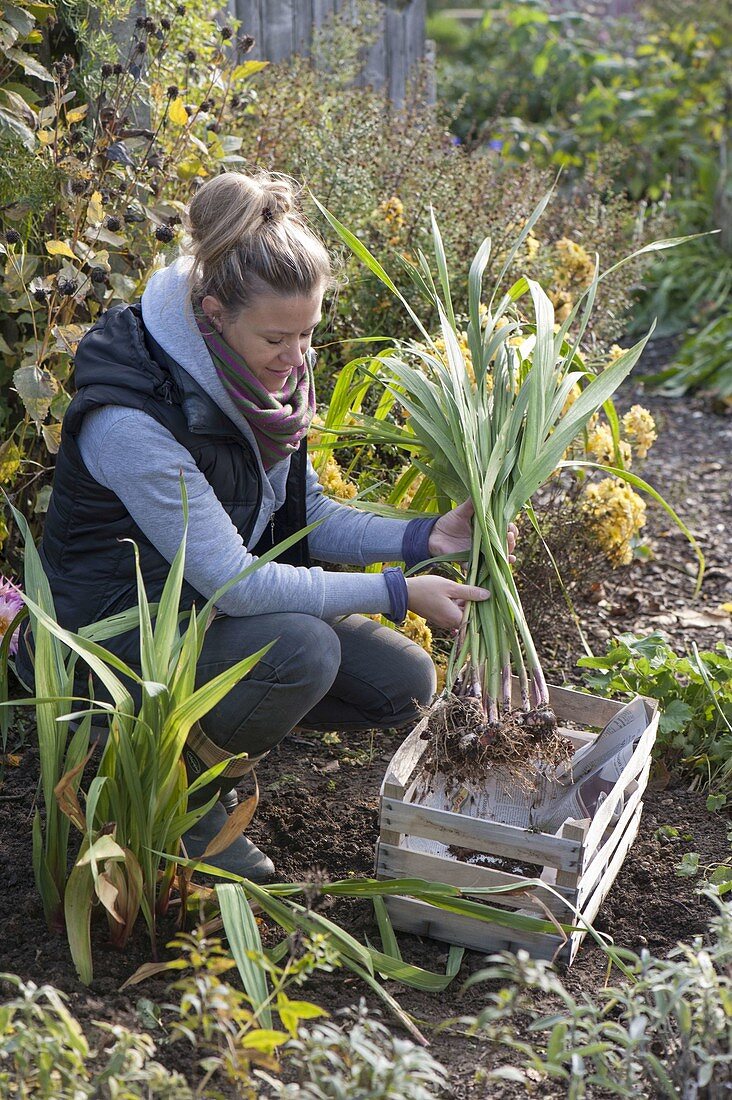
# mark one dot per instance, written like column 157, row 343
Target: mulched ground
column 320, row 801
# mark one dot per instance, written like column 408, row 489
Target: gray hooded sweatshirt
column 135, row 457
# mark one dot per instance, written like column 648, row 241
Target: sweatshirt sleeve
column 351, row 537
column 131, row 454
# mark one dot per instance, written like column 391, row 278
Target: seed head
column 191, row 56
column 67, row 287
column 113, row 223
column 165, row 24
column 98, row 275
column 245, row 42
column 172, row 91
column 79, row 186
column 164, row 233
column 118, row 69
column 226, row 33
column 13, row 236
column 107, row 70
column 140, row 22
column 180, row 9
column 41, row 294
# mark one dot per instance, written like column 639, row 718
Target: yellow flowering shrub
column 572, row 272
column 573, row 265
column 415, row 627
column 600, row 445
column 616, row 514
column 334, row 483
column 639, row 428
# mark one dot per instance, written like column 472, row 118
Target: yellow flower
column 389, row 218
column 640, row 428
column 532, row 246
column 440, row 348
column 574, row 265
column 415, row 627
column 600, row 445
column 334, row 483
column 616, row 514
column 614, row 354
column 563, row 304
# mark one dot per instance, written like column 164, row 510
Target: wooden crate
column 580, row 863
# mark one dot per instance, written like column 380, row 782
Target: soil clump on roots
column 463, row 745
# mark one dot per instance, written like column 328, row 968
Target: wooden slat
column 592, row 906
column 412, row 916
column 632, row 769
column 395, row 862
column 491, row 837
column 599, row 861
column 575, row 831
column 390, row 788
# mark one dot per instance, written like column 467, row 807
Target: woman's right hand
column 440, row 600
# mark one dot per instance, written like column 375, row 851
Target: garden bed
column 319, row 804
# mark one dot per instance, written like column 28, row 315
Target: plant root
column 464, row 745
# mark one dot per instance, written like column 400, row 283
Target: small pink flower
column 11, row 602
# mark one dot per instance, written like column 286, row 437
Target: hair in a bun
column 247, row 237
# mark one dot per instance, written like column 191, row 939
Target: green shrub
column 667, row 1032
column 695, row 696
column 358, row 1059
column 98, row 153
column 45, row 1054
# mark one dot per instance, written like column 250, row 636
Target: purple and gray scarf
column 279, row 421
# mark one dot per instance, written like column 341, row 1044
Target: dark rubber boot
column 242, row 857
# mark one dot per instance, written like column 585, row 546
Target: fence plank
column 284, row 27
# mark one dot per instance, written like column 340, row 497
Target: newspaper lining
column 576, row 791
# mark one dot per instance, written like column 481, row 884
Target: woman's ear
column 213, row 309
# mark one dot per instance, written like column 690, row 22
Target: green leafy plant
column 695, row 695
column 493, row 434
column 94, row 175
column 358, row 1057
column 666, row 1032
column 704, row 361
column 136, row 806
column 44, row 1053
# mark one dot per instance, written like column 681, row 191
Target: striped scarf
column 279, row 421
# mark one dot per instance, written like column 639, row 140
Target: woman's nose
column 294, row 354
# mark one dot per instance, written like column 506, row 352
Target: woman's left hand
column 452, row 534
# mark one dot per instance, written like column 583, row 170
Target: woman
column 211, row 375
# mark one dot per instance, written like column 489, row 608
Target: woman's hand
column 452, row 534
column 440, row 600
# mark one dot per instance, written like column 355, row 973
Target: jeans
column 349, row 675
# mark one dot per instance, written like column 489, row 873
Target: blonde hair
column 248, row 237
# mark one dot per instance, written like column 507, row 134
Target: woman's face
column 271, row 334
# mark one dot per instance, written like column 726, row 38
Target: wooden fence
column 285, row 27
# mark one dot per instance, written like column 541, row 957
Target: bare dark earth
column 319, row 801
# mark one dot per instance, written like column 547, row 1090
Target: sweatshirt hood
column 168, row 316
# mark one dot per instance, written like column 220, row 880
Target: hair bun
column 247, row 233
column 278, row 197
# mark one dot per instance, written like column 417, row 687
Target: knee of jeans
column 422, row 681
column 315, row 654
column 415, row 688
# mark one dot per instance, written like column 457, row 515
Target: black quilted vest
column 92, row 572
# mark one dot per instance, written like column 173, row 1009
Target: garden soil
column 319, row 798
